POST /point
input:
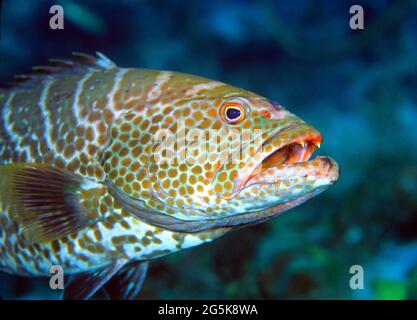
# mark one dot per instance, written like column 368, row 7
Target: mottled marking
column 5, row 118
column 118, row 77
column 45, row 113
column 156, row 90
column 76, row 107
column 198, row 88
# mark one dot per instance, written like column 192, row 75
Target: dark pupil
column 232, row 113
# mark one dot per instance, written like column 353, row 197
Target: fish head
column 216, row 153
column 272, row 166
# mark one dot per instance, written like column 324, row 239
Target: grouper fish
column 104, row 168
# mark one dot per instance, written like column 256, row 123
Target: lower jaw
column 320, row 168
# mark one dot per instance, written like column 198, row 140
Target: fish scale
column 83, row 187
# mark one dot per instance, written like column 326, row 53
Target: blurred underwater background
column 358, row 87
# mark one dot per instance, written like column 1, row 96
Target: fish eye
column 232, row 112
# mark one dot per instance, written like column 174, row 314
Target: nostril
column 276, row 105
column 265, row 114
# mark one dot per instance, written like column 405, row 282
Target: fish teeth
column 318, row 144
column 303, row 144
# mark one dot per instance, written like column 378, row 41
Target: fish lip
column 326, row 169
column 333, row 172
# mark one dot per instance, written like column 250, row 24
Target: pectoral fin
column 84, row 285
column 127, row 284
column 44, row 199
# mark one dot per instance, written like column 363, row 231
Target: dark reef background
column 358, row 87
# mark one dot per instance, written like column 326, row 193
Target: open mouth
column 296, row 149
column 290, row 148
column 284, row 156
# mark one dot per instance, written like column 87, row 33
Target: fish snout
column 331, row 168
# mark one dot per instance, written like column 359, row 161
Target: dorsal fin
column 78, row 63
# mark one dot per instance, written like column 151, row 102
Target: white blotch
column 155, row 92
column 203, row 86
column 118, row 78
column 89, row 184
column 191, row 241
column 6, row 114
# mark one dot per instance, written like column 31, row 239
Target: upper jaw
column 294, row 144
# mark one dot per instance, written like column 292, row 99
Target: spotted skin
column 101, row 122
